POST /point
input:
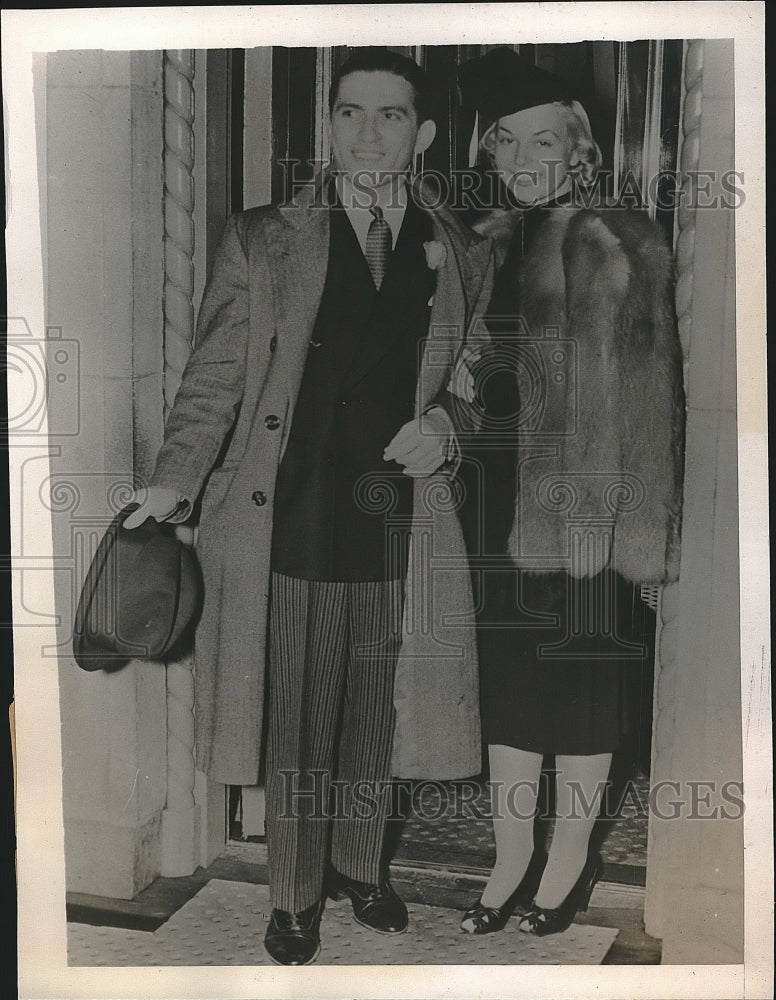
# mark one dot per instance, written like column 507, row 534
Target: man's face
column 374, row 127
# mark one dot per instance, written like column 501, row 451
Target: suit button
column 273, row 343
column 315, row 343
column 259, row 498
column 271, row 422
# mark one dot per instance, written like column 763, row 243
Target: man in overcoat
column 319, row 419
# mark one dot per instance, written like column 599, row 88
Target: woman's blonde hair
column 585, row 159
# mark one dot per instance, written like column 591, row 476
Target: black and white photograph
column 388, row 500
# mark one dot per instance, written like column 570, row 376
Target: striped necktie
column 378, row 246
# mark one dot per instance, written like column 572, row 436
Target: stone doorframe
column 695, row 866
column 193, row 829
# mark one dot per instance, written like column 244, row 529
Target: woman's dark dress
column 532, row 697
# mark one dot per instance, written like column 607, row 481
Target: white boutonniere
column 436, row 254
column 436, row 257
column 461, row 382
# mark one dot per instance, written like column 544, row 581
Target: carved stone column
column 178, row 217
column 180, row 819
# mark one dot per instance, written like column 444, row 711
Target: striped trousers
column 333, row 648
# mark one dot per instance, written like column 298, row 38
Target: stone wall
column 695, row 865
column 103, row 225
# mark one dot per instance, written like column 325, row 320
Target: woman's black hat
column 502, row 83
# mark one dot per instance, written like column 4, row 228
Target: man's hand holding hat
column 143, row 590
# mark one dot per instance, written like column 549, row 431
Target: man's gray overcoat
column 226, row 434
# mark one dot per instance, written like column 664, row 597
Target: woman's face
column 532, row 154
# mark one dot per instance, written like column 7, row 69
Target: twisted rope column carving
column 667, row 637
column 688, row 159
column 180, row 735
column 178, row 217
column 180, row 828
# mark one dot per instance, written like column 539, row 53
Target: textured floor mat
column 431, row 832
column 224, row 924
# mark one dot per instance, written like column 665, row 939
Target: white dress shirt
column 393, row 202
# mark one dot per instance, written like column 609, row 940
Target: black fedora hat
column 143, row 591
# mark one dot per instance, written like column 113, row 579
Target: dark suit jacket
column 341, row 511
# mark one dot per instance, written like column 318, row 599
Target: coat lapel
column 299, row 257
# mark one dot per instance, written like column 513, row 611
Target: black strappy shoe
column 542, row 921
column 487, row 919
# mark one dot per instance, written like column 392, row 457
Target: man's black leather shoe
column 375, row 904
column 294, row 938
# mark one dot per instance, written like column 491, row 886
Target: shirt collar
column 393, row 202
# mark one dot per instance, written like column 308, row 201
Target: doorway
column 266, row 114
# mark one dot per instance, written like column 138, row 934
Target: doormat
column 224, row 924
column 435, row 833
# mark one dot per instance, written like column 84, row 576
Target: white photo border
column 43, row 963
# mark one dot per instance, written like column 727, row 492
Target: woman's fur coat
column 600, row 447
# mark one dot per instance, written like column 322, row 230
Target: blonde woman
column 585, row 395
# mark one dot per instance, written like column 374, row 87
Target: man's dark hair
column 374, row 59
